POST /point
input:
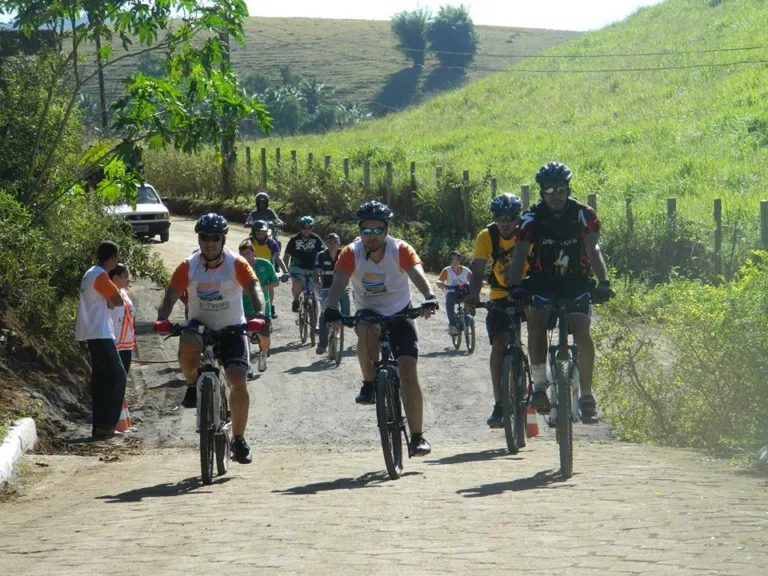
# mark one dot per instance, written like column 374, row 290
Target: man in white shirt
column 452, row 278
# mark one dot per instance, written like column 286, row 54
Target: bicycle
column 465, row 322
column 564, row 391
column 516, row 382
column 390, row 414
column 335, row 343
column 213, row 414
column 307, row 320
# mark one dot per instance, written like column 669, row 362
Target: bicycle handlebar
column 165, row 327
column 352, row 321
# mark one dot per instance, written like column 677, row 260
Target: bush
column 411, row 31
column 452, row 36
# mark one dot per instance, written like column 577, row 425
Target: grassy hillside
column 358, row 58
column 697, row 130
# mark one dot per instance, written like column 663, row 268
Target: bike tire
column 312, row 321
column 331, row 343
column 206, row 430
column 457, row 337
column 339, row 346
column 564, row 420
column 388, row 417
column 223, row 444
column 303, row 321
column 469, row 332
column 511, row 368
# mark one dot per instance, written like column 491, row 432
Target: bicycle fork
column 573, row 379
column 212, row 373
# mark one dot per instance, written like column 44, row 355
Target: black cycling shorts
column 231, row 350
column 403, row 335
column 497, row 321
column 568, row 286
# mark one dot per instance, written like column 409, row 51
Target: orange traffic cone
column 532, row 422
column 124, row 424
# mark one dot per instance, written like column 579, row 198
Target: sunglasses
column 209, row 237
column 372, row 231
column 559, row 189
column 506, row 218
column 306, row 227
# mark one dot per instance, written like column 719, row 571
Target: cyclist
column 450, row 278
column 215, row 279
column 264, row 212
column 268, row 280
column 496, row 243
column 324, row 266
column 267, row 248
column 562, row 235
column 380, row 268
column 301, row 252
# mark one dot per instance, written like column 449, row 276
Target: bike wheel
column 339, row 346
column 469, row 332
column 312, row 321
column 388, row 415
column 456, row 338
column 564, row 420
column 303, row 321
column 223, row 444
column 510, row 373
column 331, row 343
column 206, row 430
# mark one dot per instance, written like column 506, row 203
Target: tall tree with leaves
column 410, row 28
column 452, row 36
column 185, row 108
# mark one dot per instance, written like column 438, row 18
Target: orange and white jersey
column 122, row 321
column 215, row 294
column 382, row 287
column 452, row 279
column 94, row 321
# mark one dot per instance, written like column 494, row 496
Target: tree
column 410, row 28
column 313, row 92
column 187, row 107
column 452, row 36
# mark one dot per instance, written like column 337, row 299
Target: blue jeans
column 450, row 308
column 343, row 305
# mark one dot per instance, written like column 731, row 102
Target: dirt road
column 316, row 502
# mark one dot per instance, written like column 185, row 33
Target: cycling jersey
column 558, row 244
column 265, row 272
column 452, row 279
column 267, row 215
column 268, row 250
column 304, row 251
column 325, row 264
column 382, row 287
column 94, row 321
column 484, row 250
column 215, row 294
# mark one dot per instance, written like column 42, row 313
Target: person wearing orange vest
column 122, row 317
column 98, row 295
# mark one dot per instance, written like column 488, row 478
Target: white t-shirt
column 452, row 279
column 94, row 321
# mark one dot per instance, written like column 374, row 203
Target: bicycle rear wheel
column 388, row 414
column 206, row 430
column 564, row 420
column 511, row 373
column 223, row 444
column 469, row 332
column 312, row 320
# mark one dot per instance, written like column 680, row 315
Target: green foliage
column 452, row 36
column 685, row 363
column 410, row 29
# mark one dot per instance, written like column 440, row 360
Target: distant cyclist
column 563, row 235
column 268, row 280
column 301, row 252
column 264, row 212
column 381, row 269
column 267, row 248
column 495, row 245
column 324, row 267
column 449, row 280
column 215, row 279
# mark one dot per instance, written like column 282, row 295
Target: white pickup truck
column 150, row 217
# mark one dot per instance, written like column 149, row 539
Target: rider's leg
column 190, row 348
column 412, row 397
column 497, row 324
column 367, row 350
column 579, row 325
column 498, row 345
column 239, row 399
column 296, row 287
column 450, row 307
column 538, row 319
column 323, row 328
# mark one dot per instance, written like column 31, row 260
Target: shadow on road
column 475, row 457
column 364, row 481
column 446, row 352
column 186, row 486
column 317, row 366
column 175, row 383
column 544, row 479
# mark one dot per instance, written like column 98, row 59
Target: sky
column 553, row 14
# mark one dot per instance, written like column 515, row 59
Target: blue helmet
column 553, row 173
column 506, row 203
column 374, row 210
column 306, row 221
column 211, row 223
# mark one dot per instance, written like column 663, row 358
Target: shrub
column 411, row 31
column 452, row 36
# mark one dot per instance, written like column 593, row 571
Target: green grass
column 357, row 58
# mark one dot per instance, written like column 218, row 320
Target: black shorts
column 231, row 350
column 403, row 335
column 553, row 287
column 497, row 321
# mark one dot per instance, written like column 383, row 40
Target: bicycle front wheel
column 312, row 320
column 469, row 332
column 206, row 430
column 564, row 420
column 388, row 414
column 339, row 346
column 456, row 338
column 223, row 444
column 511, row 373
column 303, row 321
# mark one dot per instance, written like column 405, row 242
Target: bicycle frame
column 210, row 366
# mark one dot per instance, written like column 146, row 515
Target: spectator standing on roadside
column 122, row 317
column 98, row 295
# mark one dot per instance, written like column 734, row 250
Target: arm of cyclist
column 515, row 270
column 596, row 260
column 420, row 280
column 166, row 306
column 281, row 267
column 477, row 271
column 338, row 288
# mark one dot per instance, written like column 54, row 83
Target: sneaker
column 453, row 330
column 251, row 373
column 588, row 408
column 496, row 419
column 321, row 349
column 295, row 306
column 367, row 394
column 274, row 313
column 419, row 446
column 540, row 402
column 241, row 451
column 190, row 397
column 262, row 361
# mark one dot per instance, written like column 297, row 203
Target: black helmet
column 259, row 226
column 262, row 196
column 453, row 253
column 211, row 224
column 374, row 210
column 506, row 203
column 555, row 173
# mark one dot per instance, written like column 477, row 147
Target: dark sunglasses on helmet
column 210, row 237
column 559, row 189
column 372, row 231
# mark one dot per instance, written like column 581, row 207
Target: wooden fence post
column 671, row 209
column 367, row 176
column 346, row 168
column 494, row 185
column 465, row 202
column 630, row 216
column 413, row 176
column 438, row 176
column 294, row 162
column 718, row 215
column 249, row 167
column 263, row 168
column 592, row 201
column 327, row 164
column 525, row 192
column 277, row 157
column 388, row 183
column 764, row 223
column 310, row 158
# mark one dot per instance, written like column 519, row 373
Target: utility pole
column 226, row 145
